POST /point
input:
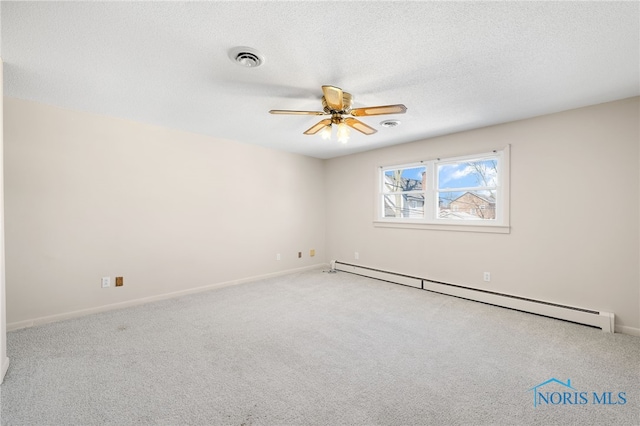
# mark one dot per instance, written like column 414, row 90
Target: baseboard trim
column 130, row 303
column 625, row 329
column 5, row 367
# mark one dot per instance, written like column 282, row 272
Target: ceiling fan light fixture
column 247, row 57
column 325, row 133
column 337, row 104
column 343, row 133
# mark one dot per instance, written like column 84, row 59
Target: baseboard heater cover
column 603, row 320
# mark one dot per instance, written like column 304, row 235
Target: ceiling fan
column 337, row 104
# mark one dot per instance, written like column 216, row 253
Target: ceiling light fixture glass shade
column 325, row 133
column 343, row 133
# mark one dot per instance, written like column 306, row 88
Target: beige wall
column 4, row 361
column 574, row 213
column 89, row 196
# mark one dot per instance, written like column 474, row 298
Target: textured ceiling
column 455, row 65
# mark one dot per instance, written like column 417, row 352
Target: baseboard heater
column 603, row 320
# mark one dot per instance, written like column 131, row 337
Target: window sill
column 467, row 227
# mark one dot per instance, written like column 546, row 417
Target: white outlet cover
column 106, row 282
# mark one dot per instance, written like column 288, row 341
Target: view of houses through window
column 404, row 192
column 467, row 189
column 442, row 189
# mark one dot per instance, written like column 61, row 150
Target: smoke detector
column 246, row 56
column 390, row 123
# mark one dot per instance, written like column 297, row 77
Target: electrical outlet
column 299, row 254
column 106, row 282
column 278, row 257
column 356, row 255
column 119, row 281
column 312, row 252
column 487, row 276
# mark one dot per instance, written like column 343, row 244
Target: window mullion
column 430, row 193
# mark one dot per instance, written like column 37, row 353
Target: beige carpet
column 316, row 349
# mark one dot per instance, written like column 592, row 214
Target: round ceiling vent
column 246, row 56
column 390, row 123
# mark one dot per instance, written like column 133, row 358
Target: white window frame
column 402, row 193
column 431, row 220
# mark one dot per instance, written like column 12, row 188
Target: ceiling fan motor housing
column 347, row 101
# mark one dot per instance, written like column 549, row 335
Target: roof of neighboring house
column 488, row 199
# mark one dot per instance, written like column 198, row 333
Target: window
column 463, row 193
column 467, row 188
column 403, row 192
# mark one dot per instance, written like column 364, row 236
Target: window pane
column 468, row 174
column 409, row 206
column 469, row 205
column 410, row 179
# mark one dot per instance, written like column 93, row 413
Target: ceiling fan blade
column 334, row 97
column 318, row 126
column 359, row 126
column 286, row 111
column 379, row 110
